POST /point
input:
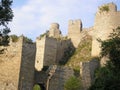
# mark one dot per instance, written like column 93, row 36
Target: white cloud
column 35, row 16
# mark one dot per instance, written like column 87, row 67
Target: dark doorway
column 39, row 86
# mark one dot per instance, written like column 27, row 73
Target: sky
column 33, row 17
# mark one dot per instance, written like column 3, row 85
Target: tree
column 108, row 77
column 6, row 16
column 111, row 48
column 72, row 83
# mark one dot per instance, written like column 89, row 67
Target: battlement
column 75, row 22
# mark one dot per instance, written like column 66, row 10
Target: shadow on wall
column 68, row 52
column 40, row 78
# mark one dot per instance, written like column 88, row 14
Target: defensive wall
column 10, row 62
column 17, row 66
column 18, row 60
column 50, row 51
column 105, row 22
column 87, row 70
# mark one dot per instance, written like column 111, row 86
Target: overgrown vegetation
column 73, row 83
column 67, row 54
column 14, row 38
column 104, row 8
column 82, row 53
column 108, row 77
column 6, row 16
column 46, row 33
column 27, row 40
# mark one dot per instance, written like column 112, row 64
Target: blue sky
column 33, row 17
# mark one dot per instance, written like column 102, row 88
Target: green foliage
column 72, row 83
column 36, row 87
column 6, row 16
column 14, row 38
column 28, row 40
column 108, row 77
column 67, row 54
column 82, row 53
column 111, row 48
column 104, row 8
column 46, row 33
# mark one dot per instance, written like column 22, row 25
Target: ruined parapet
column 54, row 30
column 87, row 70
column 74, row 29
column 107, row 18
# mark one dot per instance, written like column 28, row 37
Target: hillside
column 82, row 53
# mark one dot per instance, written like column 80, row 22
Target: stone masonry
column 20, row 60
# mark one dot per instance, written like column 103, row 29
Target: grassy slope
column 82, row 53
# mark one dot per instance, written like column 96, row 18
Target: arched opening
column 39, row 86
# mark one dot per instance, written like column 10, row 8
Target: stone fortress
column 21, row 64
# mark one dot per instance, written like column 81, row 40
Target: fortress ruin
column 21, row 63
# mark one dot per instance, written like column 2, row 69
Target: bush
column 108, row 77
column 36, row 87
column 72, row 83
column 14, row 38
column 104, row 8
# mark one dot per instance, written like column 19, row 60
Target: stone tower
column 105, row 22
column 54, row 30
column 74, row 29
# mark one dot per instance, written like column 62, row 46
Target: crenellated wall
column 105, row 22
column 19, row 60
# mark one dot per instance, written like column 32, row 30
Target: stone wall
column 26, row 79
column 74, row 29
column 104, row 24
column 54, row 30
column 40, row 50
column 87, row 70
column 50, row 51
column 59, row 78
column 10, row 66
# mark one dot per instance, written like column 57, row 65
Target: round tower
column 54, row 30
column 107, row 18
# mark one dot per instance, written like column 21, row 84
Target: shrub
column 104, row 8
column 36, row 87
column 72, row 83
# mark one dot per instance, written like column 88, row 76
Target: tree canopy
column 6, row 16
column 108, row 77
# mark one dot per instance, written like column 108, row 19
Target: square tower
column 74, row 30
